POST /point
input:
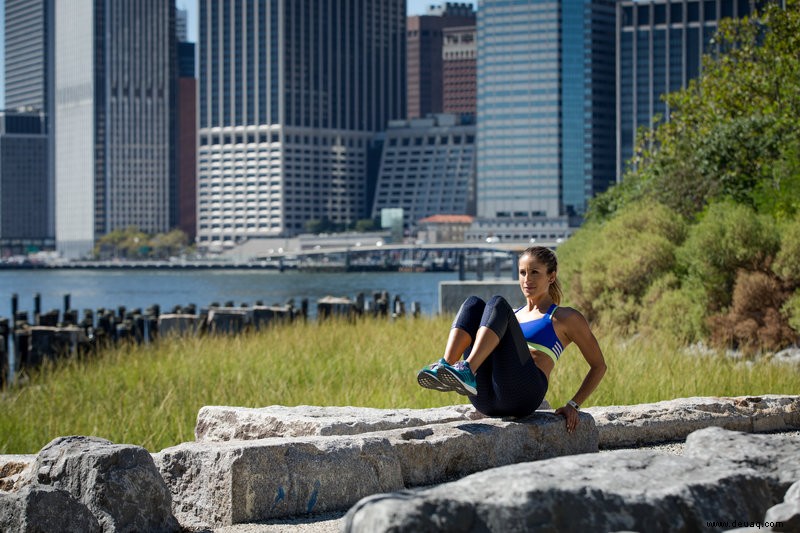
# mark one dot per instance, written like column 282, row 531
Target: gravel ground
column 333, row 522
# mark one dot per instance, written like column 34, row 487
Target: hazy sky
column 413, row 7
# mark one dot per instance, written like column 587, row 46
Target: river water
column 93, row 289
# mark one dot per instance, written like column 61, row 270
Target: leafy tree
column 127, row 243
column 170, row 244
column 367, row 224
column 133, row 243
column 323, row 225
column 732, row 133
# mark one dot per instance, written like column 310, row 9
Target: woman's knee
column 474, row 301
column 469, row 316
column 498, row 301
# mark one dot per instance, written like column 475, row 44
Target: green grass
column 150, row 395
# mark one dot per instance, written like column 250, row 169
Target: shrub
column 728, row 237
column 608, row 267
column 787, row 261
column 675, row 311
column 754, row 321
column 791, row 311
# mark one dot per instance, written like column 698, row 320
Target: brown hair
column 547, row 257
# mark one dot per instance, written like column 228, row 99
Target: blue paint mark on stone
column 279, row 497
column 312, row 501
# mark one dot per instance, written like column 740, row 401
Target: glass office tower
column 545, row 109
column 29, row 78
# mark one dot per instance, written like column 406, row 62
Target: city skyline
column 413, row 7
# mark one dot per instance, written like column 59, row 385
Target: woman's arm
column 576, row 328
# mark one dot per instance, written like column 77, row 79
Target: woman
column 508, row 354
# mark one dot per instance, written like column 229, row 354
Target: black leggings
column 509, row 382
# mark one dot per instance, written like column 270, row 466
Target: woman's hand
column 571, row 414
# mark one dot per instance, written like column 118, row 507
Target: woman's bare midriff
column 543, row 361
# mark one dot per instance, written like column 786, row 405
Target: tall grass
column 150, row 395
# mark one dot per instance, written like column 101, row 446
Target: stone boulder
column 631, row 425
column 38, row 508
column 630, row 490
column 119, row 484
column 764, row 453
column 787, row 513
column 216, row 484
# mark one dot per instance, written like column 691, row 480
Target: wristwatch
column 574, row 405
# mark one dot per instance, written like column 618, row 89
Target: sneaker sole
column 452, row 380
column 430, row 382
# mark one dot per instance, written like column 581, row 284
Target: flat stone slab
column 631, row 425
column 216, row 484
column 623, row 490
column 220, row 423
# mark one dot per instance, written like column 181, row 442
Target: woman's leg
column 459, row 341
column 508, row 381
column 464, row 329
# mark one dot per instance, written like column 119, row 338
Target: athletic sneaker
column 428, row 377
column 459, row 378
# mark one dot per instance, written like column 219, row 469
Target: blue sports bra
column 541, row 336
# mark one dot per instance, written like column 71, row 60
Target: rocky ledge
column 445, row 469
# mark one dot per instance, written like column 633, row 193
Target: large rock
column 216, row 484
column 118, row 483
column 632, row 425
column 626, row 490
column 786, row 513
column 773, row 458
column 42, row 509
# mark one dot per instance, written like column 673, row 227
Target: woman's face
column 533, row 277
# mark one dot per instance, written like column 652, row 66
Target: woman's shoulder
column 568, row 315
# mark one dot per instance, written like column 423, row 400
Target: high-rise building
column 182, row 25
column 459, row 70
column 291, row 95
column 29, row 54
column 424, row 41
column 427, row 168
column 115, row 119
column 659, row 48
column 545, row 110
column 29, row 78
column 25, row 195
column 186, row 138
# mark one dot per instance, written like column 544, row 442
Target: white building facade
column 290, row 96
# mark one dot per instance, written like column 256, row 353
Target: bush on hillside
column 791, row 311
column 754, row 322
column 729, row 237
column 675, row 310
column 787, row 261
column 608, row 267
